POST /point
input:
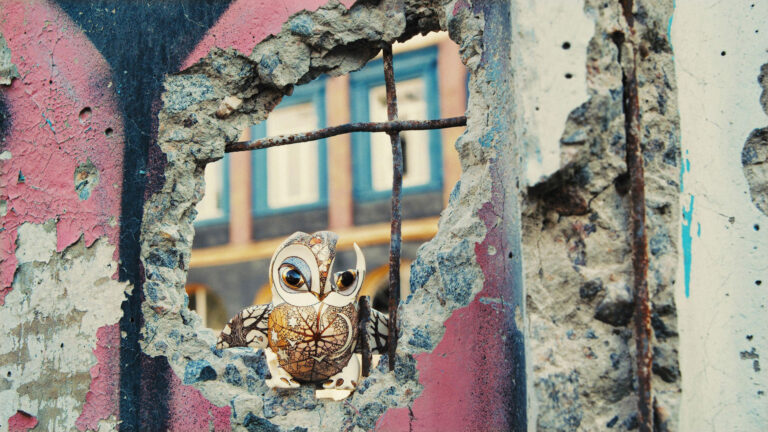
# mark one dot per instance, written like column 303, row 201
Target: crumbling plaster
column 58, row 227
column 575, row 241
column 194, row 125
column 577, row 237
column 46, row 348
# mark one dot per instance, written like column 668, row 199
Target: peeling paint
column 21, row 422
column 45, row 189
column 41, row 349
column 102, row 399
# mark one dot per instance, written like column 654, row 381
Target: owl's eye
column 291, row 276
column 345, row 279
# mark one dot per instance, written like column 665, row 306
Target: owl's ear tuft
column 360, row 267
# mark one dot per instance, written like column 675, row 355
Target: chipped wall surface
column 110, row 110
column 451, row 269
column 576, row 225
column 720, row 53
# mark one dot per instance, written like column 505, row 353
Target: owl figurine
column 309, row 333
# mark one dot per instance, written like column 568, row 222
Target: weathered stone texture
column 754, row 156
column 45, row 353
column 8, row 70
column 334, row 41
column 577, row 239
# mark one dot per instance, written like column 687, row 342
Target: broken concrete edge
column 8, row 70
column 334, row 41
column 754, row 155
column 55, row 318
column 576, row 239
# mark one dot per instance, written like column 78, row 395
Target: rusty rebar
column 364, row 319
column 397, row 185
column 637, row 225
column 386, row 127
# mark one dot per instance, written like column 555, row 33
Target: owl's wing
column 377, row 333
column 246, row 329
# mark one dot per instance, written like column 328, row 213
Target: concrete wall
column 103, row 143
column 720, row 53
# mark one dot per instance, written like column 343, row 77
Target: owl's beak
column 320, row 296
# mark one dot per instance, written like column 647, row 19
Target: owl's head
column 302, row 272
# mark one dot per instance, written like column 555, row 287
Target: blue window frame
column 410, row 65
column 313, row 92
column 223, row 201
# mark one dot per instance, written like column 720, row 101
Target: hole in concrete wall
column 295, row 56
column 341, row 184
column 108, row 132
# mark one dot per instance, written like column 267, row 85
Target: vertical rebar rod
column 364, row 306
column 397, row 184
column 637, row 225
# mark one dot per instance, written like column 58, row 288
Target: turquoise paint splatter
column 687, row 221
column 698, row 230
column 685, row 165
column 49, row 122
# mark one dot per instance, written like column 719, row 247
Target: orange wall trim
column 367, row 235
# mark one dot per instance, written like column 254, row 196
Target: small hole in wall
column 566, row 45
column 722, row 53
column 757, row 227
column 85, row 114
column 510, row 255
column 9, row 373
column 62, row 345
column 50, row 81
column 568, row 75
column 758, row 282
column 108, row 132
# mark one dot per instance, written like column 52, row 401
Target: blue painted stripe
column 687, row 239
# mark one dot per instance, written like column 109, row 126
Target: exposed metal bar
column 639, row 233
column 364, row 306
column 397, row 185
column 388, row 127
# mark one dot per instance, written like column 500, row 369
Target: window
column 214, row 207
column 417, row 97
column 292, row 178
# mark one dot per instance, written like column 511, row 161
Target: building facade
column 255, row 199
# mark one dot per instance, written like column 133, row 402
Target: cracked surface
column 335, row 41
column 576, row 240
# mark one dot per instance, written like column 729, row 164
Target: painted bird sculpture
column 309, row 333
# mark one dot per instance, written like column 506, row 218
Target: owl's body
column 309, row 332
column 313, row 345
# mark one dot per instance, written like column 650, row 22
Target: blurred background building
column 253, row 200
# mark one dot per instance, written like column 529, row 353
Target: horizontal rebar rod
column 387, row 127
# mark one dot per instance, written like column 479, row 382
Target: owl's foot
column 280, row 378
column 341, row 385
